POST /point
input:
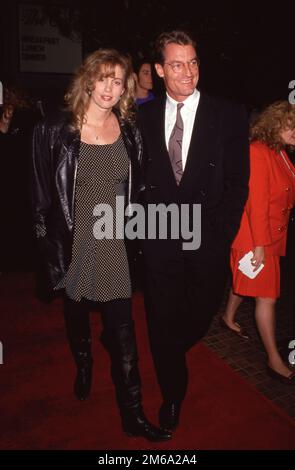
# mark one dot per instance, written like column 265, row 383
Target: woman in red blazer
column 263, row 228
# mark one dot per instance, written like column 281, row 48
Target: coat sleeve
column 40, row 179
column 257, row 208
column 41, row 197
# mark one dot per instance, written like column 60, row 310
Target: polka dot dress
column 99, row 268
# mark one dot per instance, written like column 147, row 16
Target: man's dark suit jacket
column 216, row 172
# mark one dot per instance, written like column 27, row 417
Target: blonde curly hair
column 268, row 126
column 96, row 66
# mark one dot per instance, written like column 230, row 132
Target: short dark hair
column 138, row 63
column 176, row 37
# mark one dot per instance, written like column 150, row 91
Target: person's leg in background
column 265, row 319
column 228, row 319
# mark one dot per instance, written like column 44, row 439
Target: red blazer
column 271, row 197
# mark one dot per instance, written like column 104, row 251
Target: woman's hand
column 258, row 257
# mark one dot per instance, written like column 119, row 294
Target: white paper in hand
column 246, row 266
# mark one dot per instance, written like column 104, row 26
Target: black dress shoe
column 242, row 333
column 169, row 415
column 136, row 425
column 82, row 385
column 290, row 380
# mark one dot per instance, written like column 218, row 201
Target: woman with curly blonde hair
column 81, row 161
column 263, row 229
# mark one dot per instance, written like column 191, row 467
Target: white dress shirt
column 188, row 114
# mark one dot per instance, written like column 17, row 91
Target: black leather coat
column 54, row 169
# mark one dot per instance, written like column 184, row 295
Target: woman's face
column 288, row 136
column 145, row 77
column 108, row 90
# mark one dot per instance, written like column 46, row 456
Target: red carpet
column 39, row 411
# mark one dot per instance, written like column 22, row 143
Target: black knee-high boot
column 79, row 337
column 121, row 344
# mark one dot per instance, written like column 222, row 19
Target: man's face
column 145, row 77
column 180, row 71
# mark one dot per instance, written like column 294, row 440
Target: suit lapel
column 67, row 166
column 202, row 146
column 160, row 125
column 159, row 131
column 201, row 153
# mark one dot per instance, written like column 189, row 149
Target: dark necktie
column 175, row 145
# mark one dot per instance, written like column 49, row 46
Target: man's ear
column 159, row 70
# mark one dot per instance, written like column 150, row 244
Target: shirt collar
column 190, row 102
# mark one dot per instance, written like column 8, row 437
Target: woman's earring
column 89, row 92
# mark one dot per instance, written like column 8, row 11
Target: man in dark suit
column 196, row 152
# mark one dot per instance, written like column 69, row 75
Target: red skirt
column 265, row 284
